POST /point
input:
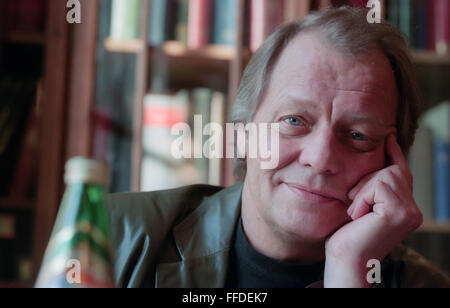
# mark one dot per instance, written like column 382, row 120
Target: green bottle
column 78, row 253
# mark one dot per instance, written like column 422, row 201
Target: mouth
column 312, row 195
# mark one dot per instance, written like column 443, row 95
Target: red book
column 102, row 126
column 30, row 15
column 265, row 17
column 296, row 10
column 199, row 23
column 439, row 28
column 10, row 15
column 352, row 3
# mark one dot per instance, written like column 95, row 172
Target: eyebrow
column 366, row 119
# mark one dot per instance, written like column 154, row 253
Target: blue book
column 225, row 22
column 420, row 24
column 405, row 11
column 441, row 153
column 437, row 119
column 158, row 25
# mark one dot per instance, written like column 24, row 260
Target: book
column 24, row 177
column 437, row 119
column 420, row 25
column 181, row 26
column 225, row 22
column 102, row 133
column 17, row 98
column 125, row 16
column 405, row 9
column 352, row 3
column 295, row 10
column 217, row 112
column 265, row 16
column 10, row 14
column 201, row 106
column 30, row 15
column 161, row 19
column 199, row 24
column 160, row 169
column 440, row 26
column 393, row 13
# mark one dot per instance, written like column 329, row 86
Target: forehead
column 308, row 70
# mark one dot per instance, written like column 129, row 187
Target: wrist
column 341, row 273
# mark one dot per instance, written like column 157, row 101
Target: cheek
column 360, row 165
column 289, row 151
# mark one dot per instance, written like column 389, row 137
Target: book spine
column 201, row 106
column 199, row 24
column 125, row 19
column 420, row 13
column 25, row 172
column 441, row 26
column 10, row 15
column 158, row 25
column 30, row 15
column 265, row 16
column 405, row 19
column 352, row 3
column 296, row 10
column 181, row 28
column 217, row 117
column 102, row 131
column 225, row 22
column 393, row 13
column 159, row 168
column 441, row 152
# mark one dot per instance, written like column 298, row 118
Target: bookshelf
column 71, row 85
column 35, row 214
column 224, row 65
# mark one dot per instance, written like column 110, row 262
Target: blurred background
column 112, row 86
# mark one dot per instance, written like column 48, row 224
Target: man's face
column 335, row 113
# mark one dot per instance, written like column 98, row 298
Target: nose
column 319, row 152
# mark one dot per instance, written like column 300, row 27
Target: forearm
column 345, row 274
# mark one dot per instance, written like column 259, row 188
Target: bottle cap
column 84, row 170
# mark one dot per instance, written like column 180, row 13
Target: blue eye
column 358, row 136
column 294, row 121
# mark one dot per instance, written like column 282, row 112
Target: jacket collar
column 203, row 241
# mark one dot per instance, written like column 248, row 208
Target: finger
column 362, row 204
column 395, row 153
column 365, row 198
column 356, row 189
column 396, row 157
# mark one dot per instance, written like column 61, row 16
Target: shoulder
column 164, row 203
column 405, row 268
column 140, row 223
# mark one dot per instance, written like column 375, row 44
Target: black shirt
column 251, row 269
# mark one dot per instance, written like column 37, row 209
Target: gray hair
column 347, row 30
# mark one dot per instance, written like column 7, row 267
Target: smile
column 309, row 194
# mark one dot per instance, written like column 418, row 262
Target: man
column 345, row 100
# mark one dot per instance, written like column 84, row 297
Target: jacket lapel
column 204, row 240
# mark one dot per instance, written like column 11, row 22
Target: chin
column 306, row 220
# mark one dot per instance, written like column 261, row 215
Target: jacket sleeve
column 405, row 268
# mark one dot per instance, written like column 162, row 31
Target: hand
column 384, row 213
